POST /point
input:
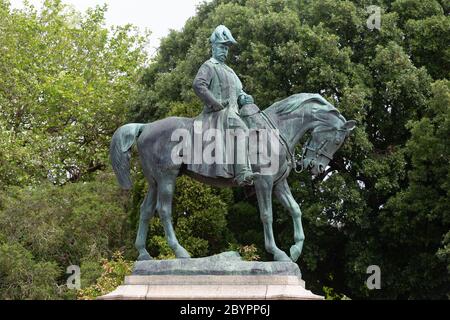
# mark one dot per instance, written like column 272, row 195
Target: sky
column 159, row 16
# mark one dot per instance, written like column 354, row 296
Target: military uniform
column 217, row 86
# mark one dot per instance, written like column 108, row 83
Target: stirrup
column 246, row 179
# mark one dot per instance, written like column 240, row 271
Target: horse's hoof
column 295, row 253
column 281, row 257
column 144, row 257
column 181, row 253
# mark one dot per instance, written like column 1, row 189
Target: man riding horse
column 221, row 91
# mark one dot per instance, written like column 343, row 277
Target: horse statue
column 293, row 117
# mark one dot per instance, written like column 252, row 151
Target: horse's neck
column 294, row 126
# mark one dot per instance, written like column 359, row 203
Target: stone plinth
column 222, row 277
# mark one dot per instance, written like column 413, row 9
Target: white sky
column 159, row 16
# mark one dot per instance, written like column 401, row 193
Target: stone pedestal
column 221, row 277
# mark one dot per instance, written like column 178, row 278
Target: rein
column 291, row 159
column 293, row 162
column 320, row 151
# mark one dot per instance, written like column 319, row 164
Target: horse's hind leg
column 166, row 189
column 284, row 195
column 147, row 212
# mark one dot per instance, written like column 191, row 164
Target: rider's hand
column 246, row 99
column 219, row 107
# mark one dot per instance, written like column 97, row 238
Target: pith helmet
column 222, row 35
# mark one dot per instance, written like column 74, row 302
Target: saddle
column 253, row 118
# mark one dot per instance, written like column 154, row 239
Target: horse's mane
column 298, row 102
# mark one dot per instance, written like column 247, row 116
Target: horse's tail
column 120, row 152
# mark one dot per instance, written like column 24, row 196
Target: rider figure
column 221, row 91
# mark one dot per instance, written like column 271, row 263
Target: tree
column 422, row 207
column 65, row 81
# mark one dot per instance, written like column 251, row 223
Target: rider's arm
column 243, row 98
column 201, row 88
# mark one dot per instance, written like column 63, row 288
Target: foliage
column 331, row 295
column 248, row 253
column 66, row 224
column 114, row 271
column 21, row 277
column 65, row 81
column 44, row 230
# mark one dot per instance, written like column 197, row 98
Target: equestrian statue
column 237, row 125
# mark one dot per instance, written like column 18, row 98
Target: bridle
column 318, row 151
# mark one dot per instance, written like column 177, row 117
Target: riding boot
column 244, row 175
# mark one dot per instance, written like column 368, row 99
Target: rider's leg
column 242, row 169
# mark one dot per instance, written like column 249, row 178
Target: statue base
column 220, row 277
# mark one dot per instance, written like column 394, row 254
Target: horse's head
column 326, row 138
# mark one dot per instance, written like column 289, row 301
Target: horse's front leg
column 284, row 195
column 264, row 186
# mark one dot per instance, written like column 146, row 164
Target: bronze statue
column 228, row 106
column 221, row 91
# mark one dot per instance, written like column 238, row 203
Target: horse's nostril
column 320, row 168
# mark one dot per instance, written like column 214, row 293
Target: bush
column 114, row 272
column 69, row 223
column 22, row 277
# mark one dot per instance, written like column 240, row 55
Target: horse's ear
column 349, row 125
